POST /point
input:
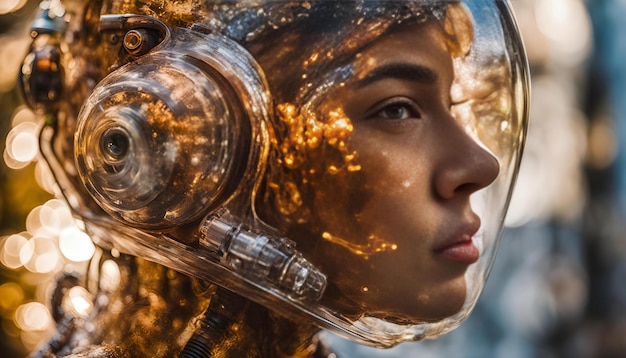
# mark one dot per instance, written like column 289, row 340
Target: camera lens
column 114, row 144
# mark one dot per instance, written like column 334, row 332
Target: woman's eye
column 396, row 111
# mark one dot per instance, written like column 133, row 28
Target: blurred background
column 558, row 286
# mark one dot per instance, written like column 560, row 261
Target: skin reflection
column 394, row 236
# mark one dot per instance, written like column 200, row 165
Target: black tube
column 224, row 310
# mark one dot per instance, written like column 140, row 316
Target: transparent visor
column 347, row 161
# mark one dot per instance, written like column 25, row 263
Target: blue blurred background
column 558, row 286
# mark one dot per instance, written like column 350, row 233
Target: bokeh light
column 10, row 251
column 43, row 255
column 31, row 258
column 51, row 239
column 11, row 296
column 33, row 316
column 566, row 23
column 23, row 114
column 51, row 244
column 35, row 322
column 110, row 276
column 11, row 54
column 78, row 302
column 21, row 142
column 23, row 146
column 8, row 6
column 76, row 245
column 551, row 184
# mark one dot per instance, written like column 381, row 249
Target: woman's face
column 394, row 233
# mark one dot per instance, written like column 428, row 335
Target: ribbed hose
column 223, row 311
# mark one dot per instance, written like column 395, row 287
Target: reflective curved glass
column 348, row 162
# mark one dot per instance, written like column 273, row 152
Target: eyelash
column 409, row 107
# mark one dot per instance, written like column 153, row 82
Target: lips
column 461, row 249
column 464, row 252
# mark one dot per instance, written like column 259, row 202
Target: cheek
column 397, row 182
column 385, row 196
column 339, row 201
column 394, row 163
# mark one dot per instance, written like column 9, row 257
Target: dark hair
column 331, row 30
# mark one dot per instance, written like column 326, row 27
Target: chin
column 446, row 300
column 424, row 306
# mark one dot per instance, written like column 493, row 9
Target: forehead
column 419, row 43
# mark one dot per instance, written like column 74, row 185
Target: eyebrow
column 401, row 71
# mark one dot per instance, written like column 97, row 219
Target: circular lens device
column 163, row 140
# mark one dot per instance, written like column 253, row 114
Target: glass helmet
column 346, row 162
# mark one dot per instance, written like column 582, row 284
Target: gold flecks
column 288, row 197
column 373, row 246
column 308, row 144
column 302, row 134
column 312, row 59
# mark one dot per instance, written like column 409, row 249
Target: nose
column 465, row 166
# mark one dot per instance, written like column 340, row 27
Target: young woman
column 266, row 168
